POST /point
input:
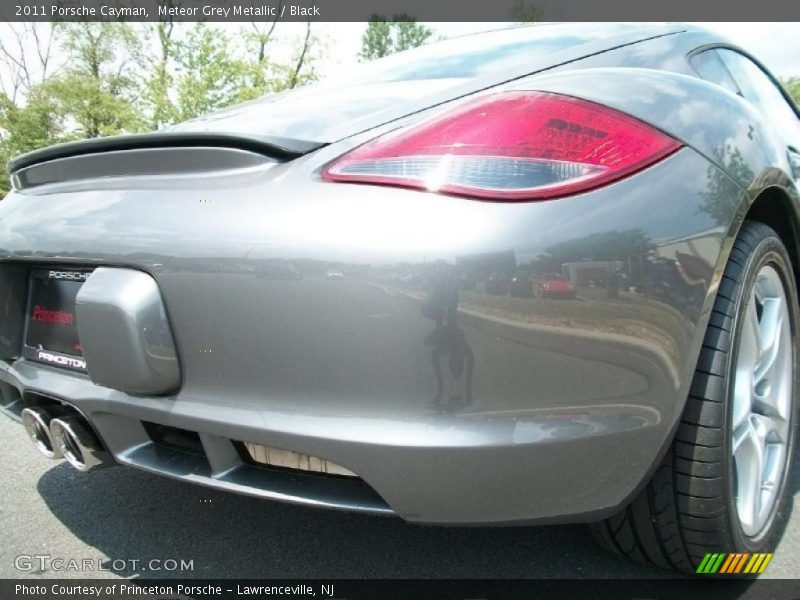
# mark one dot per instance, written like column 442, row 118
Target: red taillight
column 509, row 146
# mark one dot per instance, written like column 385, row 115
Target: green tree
column 410, row 34
column 26, row 127
column 382, row 37
column 159, row 80
column 301, row 70
column 267, row 76
column 91, row 108
column 257, row 40
column 376, row 42
column 26, row 51
column 122, row 78
column 210, row 77
column 99, row 90
column 27, row 117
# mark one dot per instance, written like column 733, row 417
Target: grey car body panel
column 571, row 400
column 123, row 328
column 453, row 405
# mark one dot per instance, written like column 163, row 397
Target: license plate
column 51, row 333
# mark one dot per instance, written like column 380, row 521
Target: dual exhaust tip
column 59, row 432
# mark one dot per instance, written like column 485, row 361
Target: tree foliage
column 209, row 76
column 382, row 37
column 118, row 78
column 97, row 90
column 33, row 125
column 159, row 80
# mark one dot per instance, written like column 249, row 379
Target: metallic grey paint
column 453, row 404
column 123, row 327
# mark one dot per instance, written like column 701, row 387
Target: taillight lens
column 509, row 146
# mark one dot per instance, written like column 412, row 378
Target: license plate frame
column 50, row 334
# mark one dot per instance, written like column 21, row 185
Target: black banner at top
column 420, row 10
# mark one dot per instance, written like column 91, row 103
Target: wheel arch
column 775, row 207
column 775, row 204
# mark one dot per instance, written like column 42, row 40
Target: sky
column 777, row 45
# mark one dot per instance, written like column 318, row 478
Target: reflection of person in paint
column 447, row 340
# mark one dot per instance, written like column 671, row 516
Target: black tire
column 688, row 508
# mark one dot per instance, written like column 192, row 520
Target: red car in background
column 554, row 286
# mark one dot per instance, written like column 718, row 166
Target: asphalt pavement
column 127, row 523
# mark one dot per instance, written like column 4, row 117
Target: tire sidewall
column 768, row 251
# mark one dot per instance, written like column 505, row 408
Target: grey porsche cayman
column 544, row 274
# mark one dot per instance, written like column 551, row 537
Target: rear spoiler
column 276, row 148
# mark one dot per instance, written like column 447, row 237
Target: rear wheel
column 721, row 484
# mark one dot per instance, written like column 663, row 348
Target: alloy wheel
column 762, row 389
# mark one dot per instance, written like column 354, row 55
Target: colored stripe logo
column 729, row 563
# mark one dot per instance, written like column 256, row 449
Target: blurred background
column 66, row 81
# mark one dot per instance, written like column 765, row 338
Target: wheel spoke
column 747, row 359
column 741, row 435
column 748, row 456
column 772, row 380
column 769, row 338
column 769, row 325
column 750, row 345
column 774, row 429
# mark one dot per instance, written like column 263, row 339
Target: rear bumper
column 454, row 466
column 451, row 405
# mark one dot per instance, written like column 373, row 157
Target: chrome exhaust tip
column 78, row 444
column 37, row 425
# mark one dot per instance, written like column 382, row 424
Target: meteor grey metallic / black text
column 544, row 274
